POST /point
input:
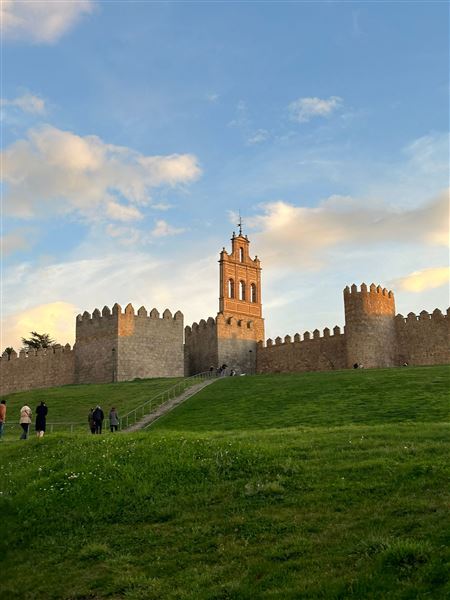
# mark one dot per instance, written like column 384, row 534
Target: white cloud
column 304, row 109
column 41, row 21
column 212, row 97
column 118, row 212
column 163, row 229
column 28, row 103
column 297, row 235
column 55, row 318
column 47, row 297
column 418, row 281
column 54, row 171
column 259, row 136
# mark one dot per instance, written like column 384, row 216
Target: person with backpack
column 98, row 415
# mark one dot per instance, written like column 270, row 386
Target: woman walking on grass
column 41, row 419
column 25, row 420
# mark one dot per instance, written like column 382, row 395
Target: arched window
column 253, row 297
column 242, row 290
column 241, row 254
column 230, row 288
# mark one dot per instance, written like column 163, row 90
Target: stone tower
column 240, row 325
column 370, row 326
column 231, row 338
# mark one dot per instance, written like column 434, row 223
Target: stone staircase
column 167, row 406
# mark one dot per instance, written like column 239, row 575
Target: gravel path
column 167, row 406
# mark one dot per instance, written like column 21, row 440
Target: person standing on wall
column 25, row 420
column 41, row 419
column 113, row 419
column 98, row 415
column 2, row 416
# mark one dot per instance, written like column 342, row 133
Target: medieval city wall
column 311, row 353
column 149, row 345
column 41, row 368
column 201, row 346
column 423, row 339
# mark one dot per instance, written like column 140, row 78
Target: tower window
column 242, row 290
column 241, row 254
column 230, row 288
column 253, row 297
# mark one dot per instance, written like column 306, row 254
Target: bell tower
column 240, row 284
column 240, row 325
column 232, row 337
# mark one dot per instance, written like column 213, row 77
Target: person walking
column 91, row 420
column 25, row 420
column 113, row 420
column 98, row 415
column 2, row 416
column 41, row 419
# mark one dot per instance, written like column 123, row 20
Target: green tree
column 37, row 340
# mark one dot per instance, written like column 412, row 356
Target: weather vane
column 240, row 223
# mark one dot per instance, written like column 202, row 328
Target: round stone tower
column 370, row 326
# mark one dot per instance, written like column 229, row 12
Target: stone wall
column 201, row 346
column 150, row 346
column 237, row 340
column 37, row 369
column 369, row 326
column 312, row 353
column 423, row 339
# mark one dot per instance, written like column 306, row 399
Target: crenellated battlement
column 412, row 318
column 308, row 337
column 108, row 315
column 40, row 353
column 364, row 289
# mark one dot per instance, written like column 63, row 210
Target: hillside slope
column 351, row 505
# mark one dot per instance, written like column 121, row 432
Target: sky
column 133, row 133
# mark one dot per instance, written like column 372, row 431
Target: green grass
column 71, row 403
column 330, row 399
column 250, row 500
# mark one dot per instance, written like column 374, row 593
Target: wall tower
column 370, row 326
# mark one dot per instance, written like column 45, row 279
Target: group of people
column 25, row 419
column 222, row 370
column 96, row 417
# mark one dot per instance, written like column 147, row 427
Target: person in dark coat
column 41, row 419
column 98, row 415
column 91, row 420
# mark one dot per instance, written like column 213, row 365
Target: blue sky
column 133, row 132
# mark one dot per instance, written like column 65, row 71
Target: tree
column 8, row 350
column 37, row 340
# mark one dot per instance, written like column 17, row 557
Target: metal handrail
column 172, row 392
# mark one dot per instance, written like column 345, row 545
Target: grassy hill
column 71, row 403
column 321, row 485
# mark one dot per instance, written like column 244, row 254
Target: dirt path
column 167, row 406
